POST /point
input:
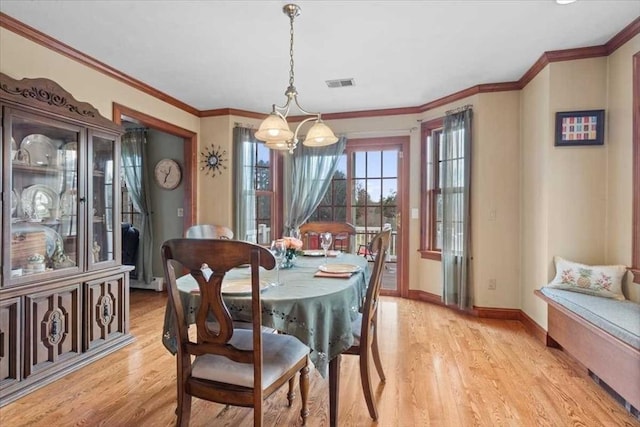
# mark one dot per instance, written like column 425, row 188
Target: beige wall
column 535, row 134
column 21, row 58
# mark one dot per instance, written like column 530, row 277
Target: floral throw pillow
column 599, row 280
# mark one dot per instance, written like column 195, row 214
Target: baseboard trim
column 530, row 325
column 425, row 296
column 489, row 313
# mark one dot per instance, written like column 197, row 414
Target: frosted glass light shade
column 274, row 128
column 277, row 145
column 320, row 135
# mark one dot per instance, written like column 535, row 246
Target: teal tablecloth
column 318, row 311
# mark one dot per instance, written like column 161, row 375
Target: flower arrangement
column 293, row 246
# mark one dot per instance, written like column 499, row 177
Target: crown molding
column 49, row 42
column 608, row 48
column 231, row 112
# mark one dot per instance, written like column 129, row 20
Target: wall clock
column 167, row 174
column 213, row 160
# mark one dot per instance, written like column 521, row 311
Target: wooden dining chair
column 239, row 367
column 365, row 327
column 342, row 234
column 209, row 231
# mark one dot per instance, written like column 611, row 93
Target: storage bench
column 601, row 333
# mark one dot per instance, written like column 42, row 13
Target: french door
column 368, row 190
column 375, row 175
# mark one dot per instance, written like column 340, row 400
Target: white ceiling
column 218, row 54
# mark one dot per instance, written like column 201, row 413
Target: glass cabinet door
column 102, row 218
column 43, row 182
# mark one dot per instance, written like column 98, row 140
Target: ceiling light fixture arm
column 274, row 130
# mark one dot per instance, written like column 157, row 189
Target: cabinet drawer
column 52, row 328
column 105, row 308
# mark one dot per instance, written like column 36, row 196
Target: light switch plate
column 415, row 213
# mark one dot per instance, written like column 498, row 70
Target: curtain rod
column 380, row 132
column 244, row 125
column 459, row 109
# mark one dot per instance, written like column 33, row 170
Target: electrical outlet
column 180, row 212
column 492, row 284
column 492, row 215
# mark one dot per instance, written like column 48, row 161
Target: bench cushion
column 619, row 318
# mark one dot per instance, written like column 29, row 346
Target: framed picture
column 580, row 128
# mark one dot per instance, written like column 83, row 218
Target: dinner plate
column 40, row 148
column 40, row 202
column 15, row 199
column 339, row 268
column 312, row 252
column 52, row 238
column 240, row 286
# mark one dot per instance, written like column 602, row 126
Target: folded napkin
column 334, row 275
column 334, row 253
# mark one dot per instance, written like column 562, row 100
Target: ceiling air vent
column 341, row 83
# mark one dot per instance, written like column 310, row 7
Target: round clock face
column 168, row 174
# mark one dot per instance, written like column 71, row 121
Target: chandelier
column 274, row 130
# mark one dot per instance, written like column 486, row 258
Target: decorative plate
column 240, row 286
column 40, row 202
column 15, row 200
column 312, row 252
column 41, row 150
column 339, row 268
column 53, row 239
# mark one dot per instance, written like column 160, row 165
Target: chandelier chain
column 291, row 75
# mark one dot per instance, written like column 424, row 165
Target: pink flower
column 292, row 243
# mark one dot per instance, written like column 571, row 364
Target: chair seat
column 280, row 353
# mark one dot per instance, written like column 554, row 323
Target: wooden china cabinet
column 64, row 295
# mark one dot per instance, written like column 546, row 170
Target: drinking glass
column 325, row 242
column 279, row 249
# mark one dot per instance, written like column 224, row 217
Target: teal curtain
column 244, row 160
column 136, row 175
column 312, row 169
column 456, row 226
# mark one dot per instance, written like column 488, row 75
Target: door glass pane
column 101, row 217
column 44, row 197
column 374, row 164
column 389, row 164
column 359, row 165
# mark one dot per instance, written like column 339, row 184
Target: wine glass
column 325, row 242
column 278, row 249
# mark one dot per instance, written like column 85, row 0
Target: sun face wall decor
column 213, row 160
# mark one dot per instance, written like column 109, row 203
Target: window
column 431, row 195
column 260, row 231
column 257, row 203
column 333, row 206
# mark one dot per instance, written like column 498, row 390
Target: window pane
column 263, row 155
column 359, row 164
column 389, row 164
column 342, row 166
column 374, row 164
column 361, row 197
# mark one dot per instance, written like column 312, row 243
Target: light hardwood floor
column 443, row 369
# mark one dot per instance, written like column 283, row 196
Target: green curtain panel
column 456, row 227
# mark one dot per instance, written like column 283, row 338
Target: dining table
column 318, row 310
